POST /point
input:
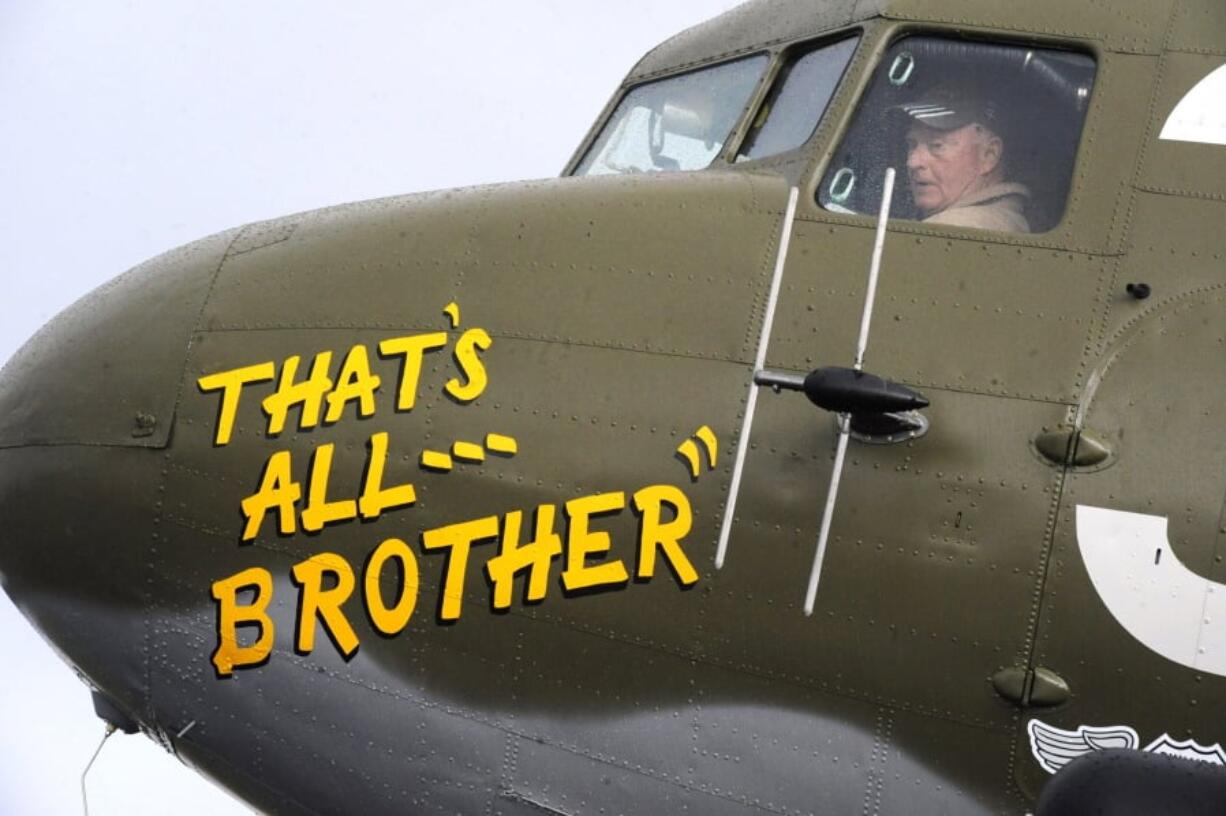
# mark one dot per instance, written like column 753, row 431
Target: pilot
column 955, row 155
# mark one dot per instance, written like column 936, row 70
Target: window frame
column 734, row 135
column 784, row 58
column 1068, row 233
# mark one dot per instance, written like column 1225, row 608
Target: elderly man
column 954, row 164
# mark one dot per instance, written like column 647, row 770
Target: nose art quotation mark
column 452, row 310
column 688, row 451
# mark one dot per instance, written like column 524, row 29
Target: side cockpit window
column 799, row 99
column 981, row 136
column 677, row 123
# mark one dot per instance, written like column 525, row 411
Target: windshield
column 678, row 123
column 799, row 99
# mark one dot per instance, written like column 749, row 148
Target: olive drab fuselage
column 413, row 505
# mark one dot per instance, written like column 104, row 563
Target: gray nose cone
column 85, row 408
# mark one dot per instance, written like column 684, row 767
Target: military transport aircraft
column 839, row 434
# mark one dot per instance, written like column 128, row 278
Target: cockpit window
column 678, row 123
column 982, row 136
column 798, row 100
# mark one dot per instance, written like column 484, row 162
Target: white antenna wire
column 874, row 269
column 840, row 454
column 110, row 729
column 751, row 404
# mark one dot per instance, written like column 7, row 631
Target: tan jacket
column 999, row 207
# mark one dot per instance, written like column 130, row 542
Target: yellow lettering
column 277, row 489
column 355, row 383
column 231, row 383
column 649, row 503
column 315, row 601
column 230, row 655
column 319, row 511
column 375, row 498
column 582, row 543
column 308, row 394
column 470, row 364
column 411, row 350
column 533, row 558
column 458, row 540
column 391, row 621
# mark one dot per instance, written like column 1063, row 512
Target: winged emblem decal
column 1053, row 748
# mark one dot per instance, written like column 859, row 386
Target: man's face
column 946, row 165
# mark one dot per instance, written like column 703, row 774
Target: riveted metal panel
column 922, row 532
column 1133, row 26
column 1160, row 403
column 1172, row 252
column 1180, row 168
column 1029, row 310
column 533, row 259
column 752, row 25
column 106, row 370
column 77, row 527
column 1129, row 27
column 1199, row 26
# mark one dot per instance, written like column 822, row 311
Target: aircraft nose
column 86, row 411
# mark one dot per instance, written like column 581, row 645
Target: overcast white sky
column 132, row 127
